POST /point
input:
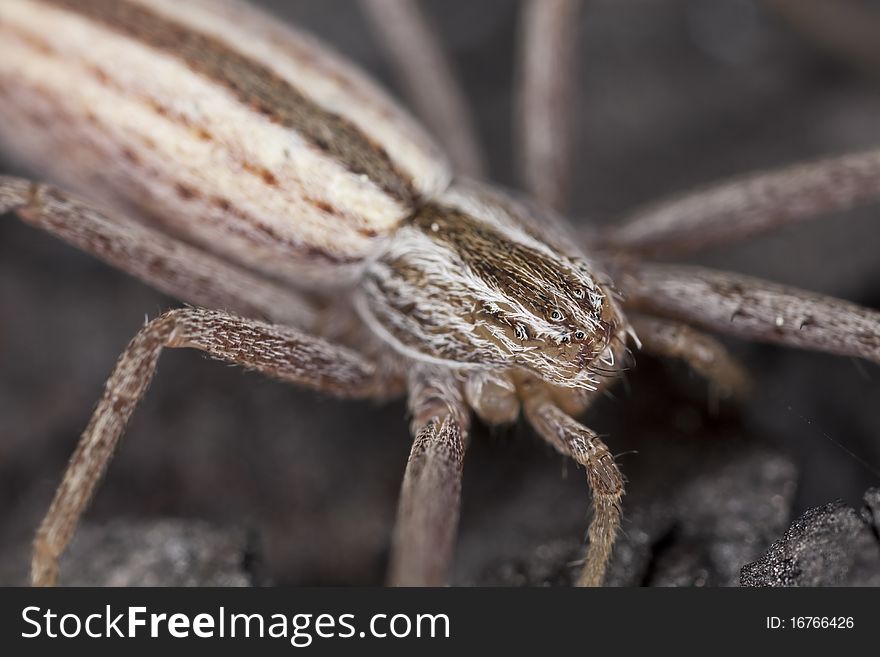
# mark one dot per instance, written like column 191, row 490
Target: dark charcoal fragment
column 832, row 545
column 159, row 553
column 697, row 531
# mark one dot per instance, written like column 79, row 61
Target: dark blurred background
column 672, row 95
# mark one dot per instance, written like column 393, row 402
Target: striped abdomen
column 244, row 136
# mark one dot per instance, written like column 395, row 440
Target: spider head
column 475, row 281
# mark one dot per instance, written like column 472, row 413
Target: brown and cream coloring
column 241, row 166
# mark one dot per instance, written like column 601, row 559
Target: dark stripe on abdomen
column 256, row 86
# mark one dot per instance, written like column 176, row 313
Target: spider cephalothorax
column 467, row 285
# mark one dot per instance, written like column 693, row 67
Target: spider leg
column 283, row 353
column 702, row 353
column 168, row 265
column 740, row 208
column 545, row 98
column 846, row 29
column 427, row 77
column 427, row 514
column 753, row 309
column 605, row 480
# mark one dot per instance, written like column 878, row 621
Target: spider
column 465, row 299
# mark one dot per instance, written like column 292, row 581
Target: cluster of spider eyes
column 579, row 336
column 557, row 316
column 595, row 300
column 595, row 297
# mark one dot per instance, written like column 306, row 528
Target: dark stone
column 696, row 532
column 319, row 478
column 159, row 553
column 832, row 545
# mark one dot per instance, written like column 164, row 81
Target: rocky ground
column 673, row 95
column 832, row 545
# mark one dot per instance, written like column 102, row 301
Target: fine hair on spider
column 323, row 239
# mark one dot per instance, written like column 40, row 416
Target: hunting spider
column 462, row 298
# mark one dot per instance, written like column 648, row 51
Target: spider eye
column 556, row 316
column 580, row 335
column 579, row 293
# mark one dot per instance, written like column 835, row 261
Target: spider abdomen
column 246, row 137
